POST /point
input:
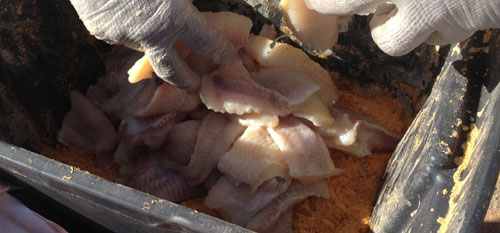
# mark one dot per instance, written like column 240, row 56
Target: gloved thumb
column 169, row 66
column 398, row 31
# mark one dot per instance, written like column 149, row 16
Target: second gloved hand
column 400, row 27
column 154, row 26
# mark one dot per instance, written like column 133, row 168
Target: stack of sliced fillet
column 255, row 136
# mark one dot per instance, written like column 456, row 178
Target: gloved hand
column 153, row 26
column 400, row 27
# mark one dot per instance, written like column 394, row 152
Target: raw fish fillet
column 314, row 110
column 270, row 91
column 165, row 162
column 253, row 159
column 191, row 102
column 311, row 27
column 248, row 62
column 115, row 78
column 231, row 90
column 98, row 94
column 166, row 99
column 238, row 204
column 282, row 55
column 235, row 27
column 148, row 98
column 137, row 94
column 215, row 136
column 126, row 152
column 117, row 66
column 256, row 119
column 126, row 170
column 305, row 152
column 87, row 128
column 284, row 224
column 151, row 178
column 299, row 90
column 294, row 86
column 356, row 134
column 267, row 217
column 149, row 131
column 180, row 141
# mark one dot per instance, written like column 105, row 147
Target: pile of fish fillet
column 254, row 138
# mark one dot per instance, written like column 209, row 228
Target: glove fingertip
column 396, row 33
column 171, row 68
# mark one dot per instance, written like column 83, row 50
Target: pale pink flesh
column 267, row 217
column 130, row 97
column 311, row 27
column 283, row 55
column 126, row 170
column 294, row 86
column 231, row 90
column 98, row 94
column 357, row 135
column 87, row 128
column 126, row 151
column 284, row 224
column 191, row 102
column 238, row 204
column 253, row 159
column 151, row 178
column 166, row 99
column 215, row 136
column 256, row 119
column 116, row 69
column 180, row 141
column 149, row 131
column 248, row 62
column 305, row 152
column 235, row 27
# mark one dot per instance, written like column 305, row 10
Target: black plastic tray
column 118, row 208
column 419, row 177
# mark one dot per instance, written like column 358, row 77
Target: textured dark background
column 44, row 52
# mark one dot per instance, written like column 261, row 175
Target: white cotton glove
column 154, row 26
column 400, row 27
